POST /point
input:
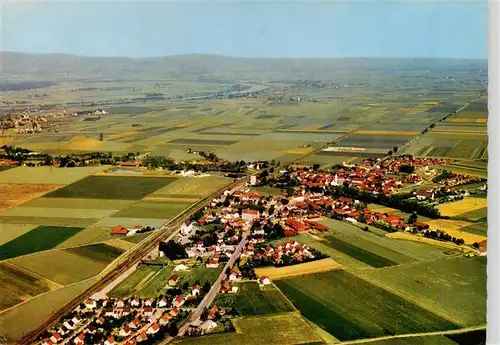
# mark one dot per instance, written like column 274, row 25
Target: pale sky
column 451, row 29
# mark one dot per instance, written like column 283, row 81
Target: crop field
column 453, row 228
column 90, row 234
column 278, row 329
column 370, row 141
column 46, row 175
column 129, row 222
column 33, row 312
column 78, row 203
column 350, row 308
column 52, row 212
column 59, row 266
column 460, row 207
column 48, row 221
column 201, row 274
column 421, row 239
column 136, row 238
column 120, row 244
column 135, row 281
column 261, row 149
column 153, row 209
column 99, row 252
column 193, row 187
column 111, row 187
column 8, row 232
column 18, row 286
column 480, row 229
column 16, row 194
column 298, row 270
column 186, row 141
column 36, row 240
column 253, row 300
column 428, row 340
column 396, row 251
column 454, row 288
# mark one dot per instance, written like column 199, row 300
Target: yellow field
column 366, row 132
column 452, row 227
column 297, row 270
column 123, row 134
column 468, row 120
column 8, row 232
column 300, row 151
column 162, row 199
column 410, row 237
column 310, row 130
column 432, row 103
column 459, row 207
column 174, row 110
column 81, row 142
column 6, row 140
column 17, row 194
column 481, row 132
column 121, row 244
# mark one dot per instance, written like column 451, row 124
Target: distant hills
column 205, row 67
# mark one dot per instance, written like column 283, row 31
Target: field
column 279, row 329
column 192, row 187
column 460, row 207
column 33, row 312
column 18, row 286
column 99, row 252
column 454, row 288
column 78, row 203
column 453, row 228
column 253, row 300
column 36, row 240
column 46, row 175
column 8, row 232
column 59, row 265
column 111, row 187
column 410, row 237
column 297, row 270
column 153, row 209
column 146, row 281
column 16, row 194
column 351, row 308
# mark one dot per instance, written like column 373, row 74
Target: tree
column 413, row 218
column 395, row 149
column 475, row 245
column 316, row 167
column 389, row 153
column 284, row 201
column 206, row 287
column 290, row 191
column 172, row 329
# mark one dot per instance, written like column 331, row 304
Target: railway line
column 130, row 259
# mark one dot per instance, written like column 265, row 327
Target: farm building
column 249, row 215
column 118, row 230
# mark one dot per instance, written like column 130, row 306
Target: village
column 243, row 230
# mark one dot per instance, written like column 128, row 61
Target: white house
column 181, row 267
column 162, row 303
column 153, row 329
column 186, row 227
column 80, row 339
column 253, row 180
column 249, row 215
column 178, row 301
column 124, row 332
column 68, row 325
column 265, row 280
column 55, row 338
column 90, row 304
column 110, row 341
column 208, row 325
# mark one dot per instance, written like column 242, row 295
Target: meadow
column 38, row 239
column 280, row 329
column 46, row 175
column 99, row 252
column 454, row 288
column 298, row 270
column 351, row 308
column 153, row 209
column 111, row 187
column 253, row 300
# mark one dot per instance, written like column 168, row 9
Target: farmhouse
column 80, row 339
column 55, row 338
column 181, row 267
column 173, row 280
column 118, row 230
column 153, row 329
column 265, row 280
column 178, row 301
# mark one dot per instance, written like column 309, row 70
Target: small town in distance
column 219, row 173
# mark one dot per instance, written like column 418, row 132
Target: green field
column 430, row 340
column 130, row 286
column 46, row 175
column 73, row 203
column 191, row 186
column 60, row 266
column 51, row 212
column 480, row 228
column 18, row 286
column 201, row 274
column 454, row 288
column 153, row 209
column 351, row 308
column 48, row 221
column 39, row 239
column 252, row 300
column 99, row 252
column 8, row 232
column 111, row 187
column 33, row 312
column 277, row 329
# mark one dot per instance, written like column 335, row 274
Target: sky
column 362, row 28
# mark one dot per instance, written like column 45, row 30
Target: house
column 165, row 319
column 90, row 330
column 483, row 247
column 181, row 267
column 134, row 324
column 80, row 339
column 118, row 230
column 196, row 290
column 148, row 302
column 125, row 331
column 136, row 302
column 178, row 301
column 265, row 280
column 142, row 337
column 423, row 195
column 90, row 304
column 186, row 227
column 110, row 341
column 173, row 280
column 174, row 312
column 249, row 215
column 421, row 225
column 120, row 303
column 212, row 264
column 47, row 341
column 162, row 303
column 68, row 325
column 76, row 320
column 109, row 312
column 55, row 338
column 153, row 329
column 208, row 325
column 100, row 320
column 235, row 276
column 148, row 311
column 126, row 311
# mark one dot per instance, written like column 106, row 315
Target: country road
column 414, row 335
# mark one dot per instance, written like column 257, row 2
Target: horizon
column 327, row 30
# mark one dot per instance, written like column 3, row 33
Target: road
column 126, row 264
column 414, row 335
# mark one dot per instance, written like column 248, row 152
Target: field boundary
column 414, row 335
